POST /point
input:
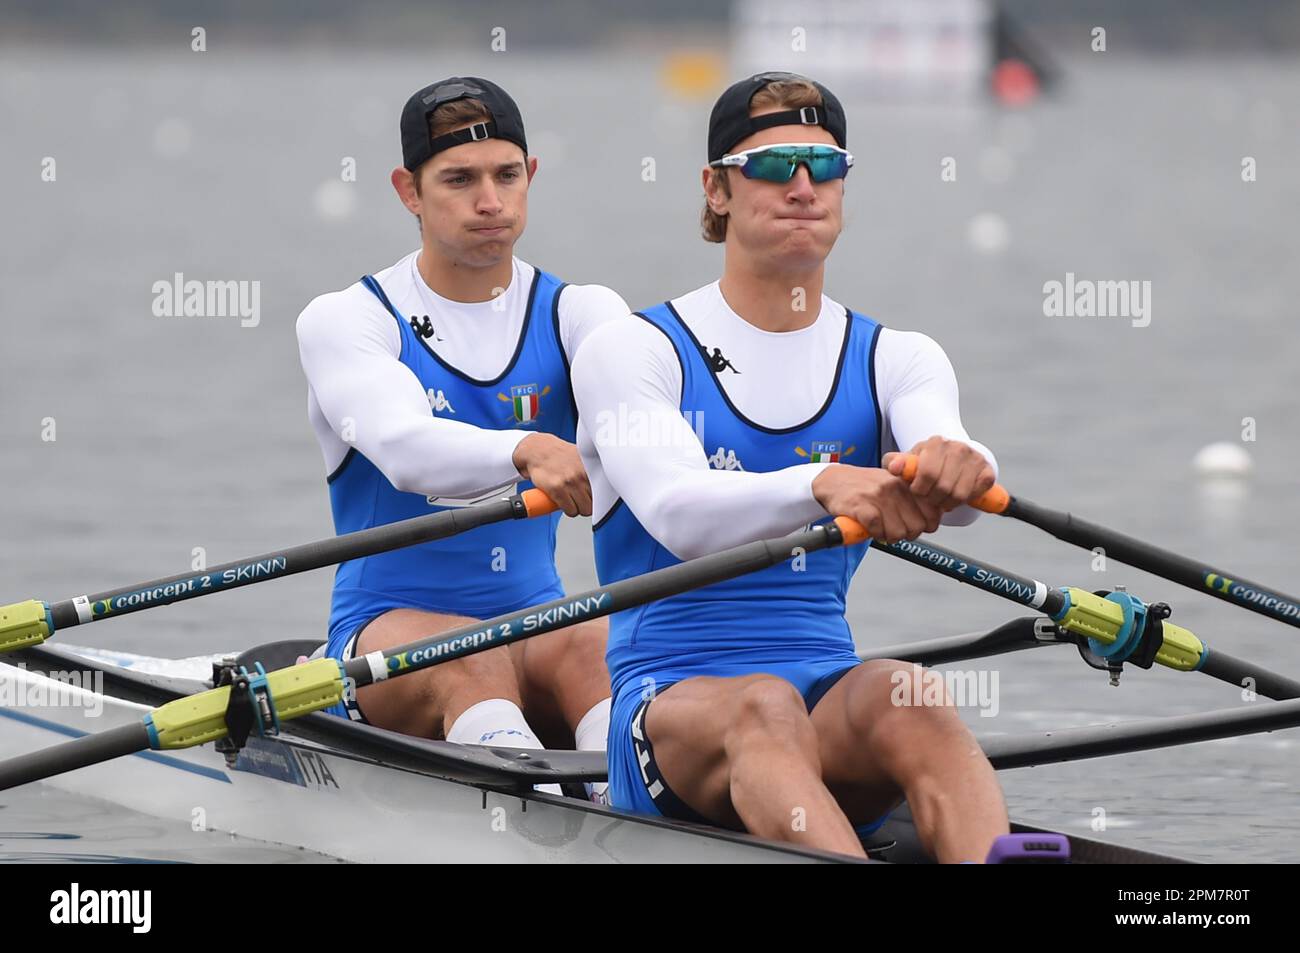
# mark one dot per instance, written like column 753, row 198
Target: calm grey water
column 179, row 433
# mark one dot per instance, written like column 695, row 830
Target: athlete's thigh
column 419, row 703
column 687, row 727
column 849, row 719
column 562, row 674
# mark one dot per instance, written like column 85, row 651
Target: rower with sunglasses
column 744, row 704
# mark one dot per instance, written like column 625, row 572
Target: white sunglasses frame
column 738, row 159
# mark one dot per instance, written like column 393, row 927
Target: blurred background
column 999, row 147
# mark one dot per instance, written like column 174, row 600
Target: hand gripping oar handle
column 32, row 622
column 1227, row 586
column 995, row 500
column 537, row 503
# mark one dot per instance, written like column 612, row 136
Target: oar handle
column 852, row 531
column 995, row 500
column 537, row 503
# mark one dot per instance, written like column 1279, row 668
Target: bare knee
column 890, row 691
column 916, row 718
column 771, row 708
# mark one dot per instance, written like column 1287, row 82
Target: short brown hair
column 787, row 94
column 452, row 116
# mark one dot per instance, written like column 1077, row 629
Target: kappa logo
column 525, row 402
column 423, row 327
column 438, row 402
column 717, row 363
column 824, row 451
column 723, row 459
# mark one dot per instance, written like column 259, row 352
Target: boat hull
column 294, row 792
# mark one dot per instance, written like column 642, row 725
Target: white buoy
column 335, row 200
column 1223, row 460
column 988, row 233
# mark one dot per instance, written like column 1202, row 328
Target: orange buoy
column 1015, row 83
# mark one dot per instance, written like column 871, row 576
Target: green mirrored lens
column 778, row 165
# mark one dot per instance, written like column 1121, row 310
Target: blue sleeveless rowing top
column 485, row 571
column 790, row 612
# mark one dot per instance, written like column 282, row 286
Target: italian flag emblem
column 825, row 451
column 526, row 400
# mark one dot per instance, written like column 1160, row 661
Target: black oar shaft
column 602, row 601
column 84, row 751
column 1249, row 676
column 1160, row 562
column 981, row 575
column 1014, row 636
column 286, row 562
column 1074, row 744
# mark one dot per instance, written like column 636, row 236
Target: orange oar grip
column 853, row 531
column 995, row 500
column 537, row 503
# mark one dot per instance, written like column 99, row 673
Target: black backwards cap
column 730, row 121
column 418, row 146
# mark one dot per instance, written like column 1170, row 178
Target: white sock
column 500, row 723
column 591, row 735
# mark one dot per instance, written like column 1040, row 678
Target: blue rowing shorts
column 635, row 781
column 342, row 647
